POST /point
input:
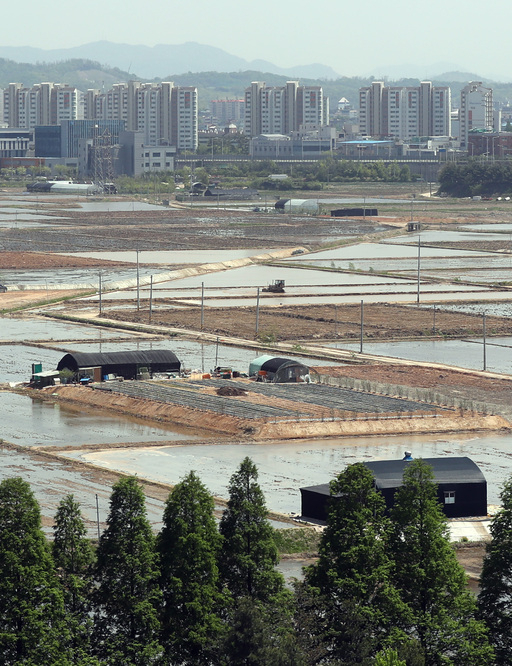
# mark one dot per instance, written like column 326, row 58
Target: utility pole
column 362, row 327
column 202, row 305
column 484, row 336
column 419, row 259
column 257, row 311
column 138, row 281
column 150, row 298
column 99, row 275
column 98, row 516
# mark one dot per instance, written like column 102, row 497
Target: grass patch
column 297, row 540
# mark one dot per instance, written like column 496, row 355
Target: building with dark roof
column 278, row 370
column 461, row 487
column 126, row 364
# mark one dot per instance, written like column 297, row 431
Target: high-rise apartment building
column 227, row 110
column 283, row 109
column 42, row 104
column 164, row 113
column 404, row 112
column 476, row 110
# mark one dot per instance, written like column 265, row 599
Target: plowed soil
column 317, row 322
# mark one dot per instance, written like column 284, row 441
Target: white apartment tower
column 42, row 104
column 282, row 109
column 164, row 113
column 476, row 110
column 404, row 112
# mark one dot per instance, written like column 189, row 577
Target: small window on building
column 449, row 496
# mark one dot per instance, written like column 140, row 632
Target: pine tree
column 192, row 601
column 126, row 574
column 261, row 604
column 249, row 553
column 441, row 613
column 73, row 557
column 388, row 657
column 252, row 640
column 347, row 595
column 495, row 598
column 32, row 618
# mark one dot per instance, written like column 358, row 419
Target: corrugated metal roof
column 143, row 357
column 389, row 473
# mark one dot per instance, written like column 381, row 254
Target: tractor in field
column 277, row 287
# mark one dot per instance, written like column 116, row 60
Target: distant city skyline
column 357, row 39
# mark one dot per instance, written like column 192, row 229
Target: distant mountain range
column 217, row 74
column 160, row 61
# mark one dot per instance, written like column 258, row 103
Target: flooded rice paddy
column 173, row 257
column 18, row 329
column 31, row 422
column 462, row 353
column 287, row 466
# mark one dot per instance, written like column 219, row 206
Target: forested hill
column 86, row 74
column 82, row 74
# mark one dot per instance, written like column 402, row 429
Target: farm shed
column 233, row 194
column 306, row 206
column 278, row 370
column 461, row 487
column 126, row 364
column 354, row 212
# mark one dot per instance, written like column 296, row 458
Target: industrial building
column 461, row 487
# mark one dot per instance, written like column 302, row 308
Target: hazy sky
column 359, row 37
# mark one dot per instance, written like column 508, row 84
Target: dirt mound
column 233, row 391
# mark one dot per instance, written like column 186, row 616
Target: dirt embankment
column 263, row 429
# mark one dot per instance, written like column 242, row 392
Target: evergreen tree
column 495, row 598
column 388, row 657
column 73, row 557
column 261, row 604
column 347, row 604
column 249, row 553
column 192, row 601
column 441, row 613
column 127, row 594
column 32, row 619
column 252, row 640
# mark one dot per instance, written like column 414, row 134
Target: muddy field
column 44, row 260
column 187, row 229
column 317, row 322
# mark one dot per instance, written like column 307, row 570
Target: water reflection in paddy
column 19, row 329
column 382, row 251
column 462, row 353
column 32, row 422
column 51, row 481
column 287, row 466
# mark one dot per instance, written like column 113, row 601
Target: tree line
column 386, row 589
column 476, row 178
